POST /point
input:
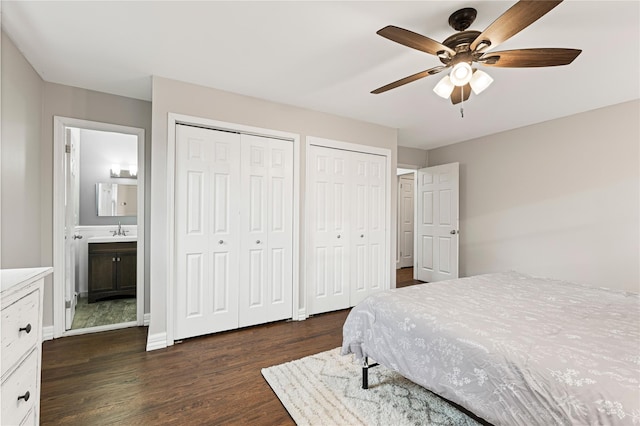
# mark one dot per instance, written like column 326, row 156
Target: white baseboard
column 47, row 333
column 146, row 319
column 156, row 341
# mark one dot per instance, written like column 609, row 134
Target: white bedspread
column 513, row 349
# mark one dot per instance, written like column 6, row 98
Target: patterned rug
column 324, row 389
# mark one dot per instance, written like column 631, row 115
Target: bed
column 510, row 348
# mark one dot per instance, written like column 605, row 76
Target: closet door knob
column 221, row 242
column 361, row 235
column 27, row 328
column 257, row 241
column 338, row 235
column 26, row 396
column 113, row 259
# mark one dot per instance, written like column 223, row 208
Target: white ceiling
column 326, row 56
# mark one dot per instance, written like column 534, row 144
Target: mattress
column 511, row 348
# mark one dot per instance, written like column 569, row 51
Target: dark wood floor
column 108, row 378
column 404, row 278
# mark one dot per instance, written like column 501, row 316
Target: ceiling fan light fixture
column 461, row 74
column 480, row 81
column 444, row 88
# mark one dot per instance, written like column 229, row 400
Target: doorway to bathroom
column 98, row 226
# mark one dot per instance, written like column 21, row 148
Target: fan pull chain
column 462, row 104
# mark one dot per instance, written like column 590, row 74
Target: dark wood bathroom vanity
column 112, row 270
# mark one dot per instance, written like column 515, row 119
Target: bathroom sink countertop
column 113, row 239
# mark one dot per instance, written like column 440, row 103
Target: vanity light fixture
column 119, row 172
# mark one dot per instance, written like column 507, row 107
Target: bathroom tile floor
column 104, row 312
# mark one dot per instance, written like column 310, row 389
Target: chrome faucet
column 120, row 231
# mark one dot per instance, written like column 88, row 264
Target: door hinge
column 67, row 304
column 67, row 149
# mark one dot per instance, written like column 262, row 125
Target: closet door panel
column 267, row 235
column 368, row 215
column 207, row 164
column 377, row 227
column 280, row 225
column 253, row 235
column 328, row 245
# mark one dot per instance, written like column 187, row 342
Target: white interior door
column 367, row 233
column 329, row 216
column 207, row 230
column 266, row 273
column 406, row 192
column 70, row 223
column 437, row 223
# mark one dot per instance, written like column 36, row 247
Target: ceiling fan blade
column 413, row 40
column 414, row 77
column 514, row 20
column 458, row 92
column 525, row 58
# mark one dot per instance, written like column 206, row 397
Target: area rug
column 324, row 389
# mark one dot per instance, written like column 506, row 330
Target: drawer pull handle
column 26, row 396
column 27, row 328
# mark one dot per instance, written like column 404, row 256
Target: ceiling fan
column 461, row 50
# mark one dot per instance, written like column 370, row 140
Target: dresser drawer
column 24, row 379
column 25, row 314
column 31, row 419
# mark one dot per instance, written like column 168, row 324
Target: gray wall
column 22, row 91
column 558, row 199
column 182, row 98
column 98, row 151
column 85, row 104
column 28, row 107
column 413, row 157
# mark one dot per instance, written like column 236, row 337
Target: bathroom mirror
column 114, row 199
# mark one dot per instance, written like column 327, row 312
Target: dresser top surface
column 11, row 277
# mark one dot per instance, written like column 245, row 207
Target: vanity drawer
column 24, row 379
column 25, row 314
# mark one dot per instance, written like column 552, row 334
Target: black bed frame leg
column 365, row 372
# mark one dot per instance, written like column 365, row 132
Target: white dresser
column 21, row 349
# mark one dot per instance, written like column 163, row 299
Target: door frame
column 366, row 149
column 60, row 123
column 174, row 119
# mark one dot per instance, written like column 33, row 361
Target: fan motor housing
column 460, row 43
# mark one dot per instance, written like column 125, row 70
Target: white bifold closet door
column 266, row 191
column 346, row 245
column 234, row 235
